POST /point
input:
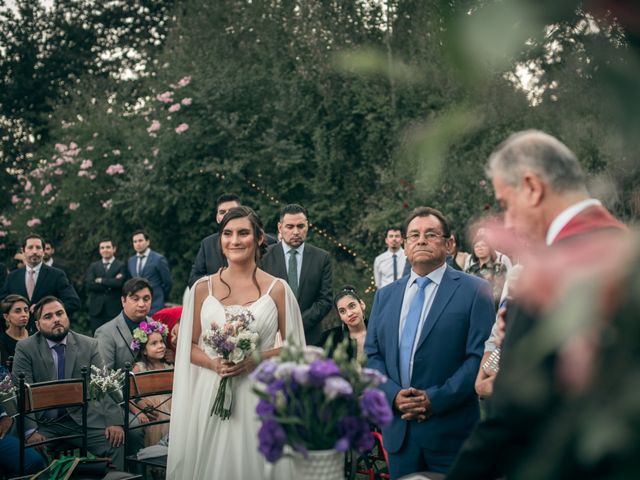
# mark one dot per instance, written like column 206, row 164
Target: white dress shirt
column 429, row 294
column 383, row 267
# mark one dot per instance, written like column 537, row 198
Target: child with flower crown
column 149, row 344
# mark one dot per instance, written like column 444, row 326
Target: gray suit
column 33, row 358
column 114, row 340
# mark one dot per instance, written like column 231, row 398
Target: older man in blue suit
column 426, row 334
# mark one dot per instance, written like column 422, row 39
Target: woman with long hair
column 203, row 444
column 15, row 311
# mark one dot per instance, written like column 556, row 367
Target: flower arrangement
column 144, row 329
column 234, row 341
column 7, row 387
column 104, row 381
column 311, row 402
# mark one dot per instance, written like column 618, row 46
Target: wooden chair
column 38, row 397
column 136, row 387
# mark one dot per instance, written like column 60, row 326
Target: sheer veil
column 182, row 441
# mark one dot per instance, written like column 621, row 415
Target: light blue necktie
column 410, row 330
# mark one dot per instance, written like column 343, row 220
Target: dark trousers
column 412, row 458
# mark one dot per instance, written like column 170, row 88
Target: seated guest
column 150, row 344
column 10, row 450
column 170, row 316
column 15, row 310
column 350, row 308
column 55, row 353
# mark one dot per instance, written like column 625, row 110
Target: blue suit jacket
column 446, row 359
column 156, row 272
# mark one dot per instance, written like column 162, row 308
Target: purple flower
column 342, row 445
column 356, row 432
column 271, row 438
column 265, row 408
column 335, row 386
column 373, row 376
column 376, row 407
column 275, row 387
column 301, row 374
column 265, row 372
column 322, row 369
column 143, row 325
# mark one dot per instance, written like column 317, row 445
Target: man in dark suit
column 209, row 258
column 36, row 280
column 149, row 264
column 305, row 267
column 426, row 334
column 540, row 185
column 104, row 280
column 55, row 353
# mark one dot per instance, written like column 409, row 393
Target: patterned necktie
column 139, row 270
column 31, row 284
column 395, row 267
column 410, row 330
column 293, row 271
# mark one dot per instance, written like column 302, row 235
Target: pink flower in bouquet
column 115, row 169
column 174, row 108
column 183, row 127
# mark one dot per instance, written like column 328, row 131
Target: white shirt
column 36, row 272
column 429, row 294
column 300, row 251
column 107, row 263
column 383, row 267
column 566, row 216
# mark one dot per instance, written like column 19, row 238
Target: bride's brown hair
column 258, row 239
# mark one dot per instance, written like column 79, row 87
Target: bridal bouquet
column 311, row 402
column 234, row 341
column 103, row 381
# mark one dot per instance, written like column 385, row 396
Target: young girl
column 350, row 308
column 149, row 342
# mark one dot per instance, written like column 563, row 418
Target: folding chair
column 136, row 387
column 38, row 397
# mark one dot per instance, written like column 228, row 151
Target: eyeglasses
column 428, row 236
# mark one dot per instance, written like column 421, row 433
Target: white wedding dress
column 202, row 446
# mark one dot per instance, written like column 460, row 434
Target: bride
column 205, row 446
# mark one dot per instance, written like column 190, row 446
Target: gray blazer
column 114, row 340
column 33, row 358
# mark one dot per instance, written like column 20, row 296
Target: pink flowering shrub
column 115, row 169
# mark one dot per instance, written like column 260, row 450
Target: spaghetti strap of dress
column 271, row 286
column 209, row 281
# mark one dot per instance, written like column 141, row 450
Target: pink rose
column 115, row 169
column 74, row 206
column 86, row 164
column 184, row 81
column 186, row 101
column 174, row 108
column 47, row 189
column 183, row 127
column 166, row 97
column 33, row 222
column 155, row 125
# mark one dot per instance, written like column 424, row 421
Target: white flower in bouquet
column 104, row 381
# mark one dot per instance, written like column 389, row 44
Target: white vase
column 319, row 465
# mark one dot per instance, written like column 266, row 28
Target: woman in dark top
column 350, row 308
column 15, row 310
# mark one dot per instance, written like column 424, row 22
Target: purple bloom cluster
column 319, row 370
column 272, row 439
column 375, row 407
column 354, row 431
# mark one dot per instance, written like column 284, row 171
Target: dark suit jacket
column 104, row 297
column 33, row 358
column 208, row 260
column 51, row 281
column 446, row 359
column 156, row 271
column 314, row 289
column 499, row 442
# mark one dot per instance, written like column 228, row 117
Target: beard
column 55, row 336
